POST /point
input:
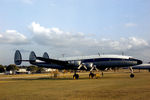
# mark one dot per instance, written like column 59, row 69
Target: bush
column 40, row 69
column 12, row 67
column 32, row 68
column 2, row 69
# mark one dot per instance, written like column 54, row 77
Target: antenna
column 122, row 53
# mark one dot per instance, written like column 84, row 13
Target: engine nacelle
column 76, row 63
column 89, row 65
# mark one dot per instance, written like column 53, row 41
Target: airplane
column 142, row 66
column 88, row 63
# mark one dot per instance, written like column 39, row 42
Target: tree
column 2, row 69
column 12, row 67
column 40, row 69
column 32, row 68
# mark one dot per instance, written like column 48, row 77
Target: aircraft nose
column 139, row 62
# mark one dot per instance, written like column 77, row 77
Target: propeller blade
column 85, row 67
column 96, row 69
column 92, row 69
column 80, row 66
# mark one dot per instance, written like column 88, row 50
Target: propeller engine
column 91, row 66
column 82, row 65
column 79, row 64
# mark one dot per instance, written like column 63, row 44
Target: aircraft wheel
column 91, row 75
column 75, row 76
column 132, row 75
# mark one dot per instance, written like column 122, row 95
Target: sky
column 74, row 28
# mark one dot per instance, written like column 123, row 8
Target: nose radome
column 139, row 62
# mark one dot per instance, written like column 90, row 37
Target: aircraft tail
column 32, row 57
column 18, row 58
column 45, row 55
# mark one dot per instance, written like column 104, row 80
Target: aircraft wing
column 54, row 61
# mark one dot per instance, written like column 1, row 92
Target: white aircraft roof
column 142, row 65
column 95, row 56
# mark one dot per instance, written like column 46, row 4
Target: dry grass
column 113, row 86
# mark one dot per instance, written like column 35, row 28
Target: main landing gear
column 75, row 76
column 91, row 75
column 131, row 70
column 132, row 75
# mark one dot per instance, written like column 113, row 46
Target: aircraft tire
column 91, row 75
column 132, row 75
column 75, row 76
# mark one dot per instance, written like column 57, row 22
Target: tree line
column 13, row 67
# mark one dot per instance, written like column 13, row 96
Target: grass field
column 113, row 86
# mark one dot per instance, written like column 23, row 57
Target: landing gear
column 91, row 75
column 102, row 74
column 75, row 76
column 131, row 75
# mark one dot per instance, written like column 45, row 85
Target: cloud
column 58, row 38
column 137, row 42
column 55, row 37
column 128, row 43
column 130, row 24
column 13, row 37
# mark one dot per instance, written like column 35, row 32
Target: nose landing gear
column 132, row 75
column 131, row 70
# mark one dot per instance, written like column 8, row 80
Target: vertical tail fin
column 17, row 58
column 45, row 55
column 32, row 57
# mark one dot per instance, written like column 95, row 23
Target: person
column 102, row 74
